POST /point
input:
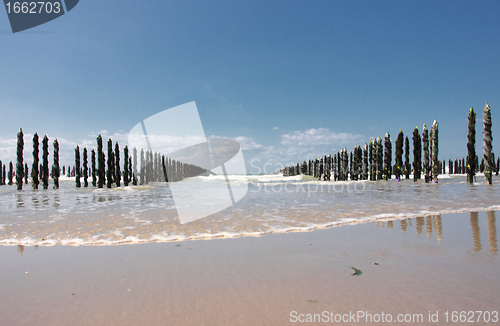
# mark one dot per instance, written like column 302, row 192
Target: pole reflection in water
column 428, row 224
column 20, row 249
column 474, row 222
column 435, row 223
column 420, row 224
column 438, row 226
column 19, row 201
column 403, row 224
column 492, row 230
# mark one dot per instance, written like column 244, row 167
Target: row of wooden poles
column 148, row 167
column 458, row 166
column 374, row 160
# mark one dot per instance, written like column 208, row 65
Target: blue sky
column 290, row 80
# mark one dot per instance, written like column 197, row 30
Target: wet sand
column 435, row 263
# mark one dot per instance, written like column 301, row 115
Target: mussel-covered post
column 56, row 169
column 327, row 167
column 417, row 155
column 372, row 155
column 365, row 162
column 11, row 173
column 94, row 179
column 143, row 167
column 34, row 167
column 399, row 155
column 436, row 164
column 471, row 147
column 101, row 161
column 109, row 172
column 125, row 166
column 134, row 167
column 407, row 166
column 359, row 163
column 387, row 157
column 20, row 164
column 45, row 159
column 380, row 158
column 77, row 166
column 425, row 143
column 26, row 173
column 489, row 161
column 118, row 174
column 345, row 168
column 85, row 168
column 351, row 166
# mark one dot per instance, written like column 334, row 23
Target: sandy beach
column 417, row 266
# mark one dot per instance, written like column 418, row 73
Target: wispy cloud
column 299, row 145
column 320, row 136
column 247, row 143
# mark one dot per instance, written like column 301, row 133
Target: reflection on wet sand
column 434, row 223
column 438, row 226
column 20, row 249
column 428, row 224
column 492, row 230
column 19, row 201
column 474, row 222
column 420, row 224
column 403, row 224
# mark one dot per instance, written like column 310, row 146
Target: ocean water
column 135, row 214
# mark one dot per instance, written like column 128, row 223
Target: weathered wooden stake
column 471, row 147
column 489, row 161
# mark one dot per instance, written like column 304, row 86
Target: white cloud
column 320, row 136
column 300, row 145
column 246, row 143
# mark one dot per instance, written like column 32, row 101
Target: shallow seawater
column 148, row 213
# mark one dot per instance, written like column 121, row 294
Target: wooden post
column 20, row 164
column 34, row 167
column 77, row 166
column 387, row 157
column 425, row 143
column 471, row 147
column 45, row 159
column 56, row 169
column 125, row 166
column 380, row 159
column 417, row 155
column 435, row 163
column 489, row 161
column 116, row 170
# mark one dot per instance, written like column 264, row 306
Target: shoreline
column 226, row 235
column 250, row 280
